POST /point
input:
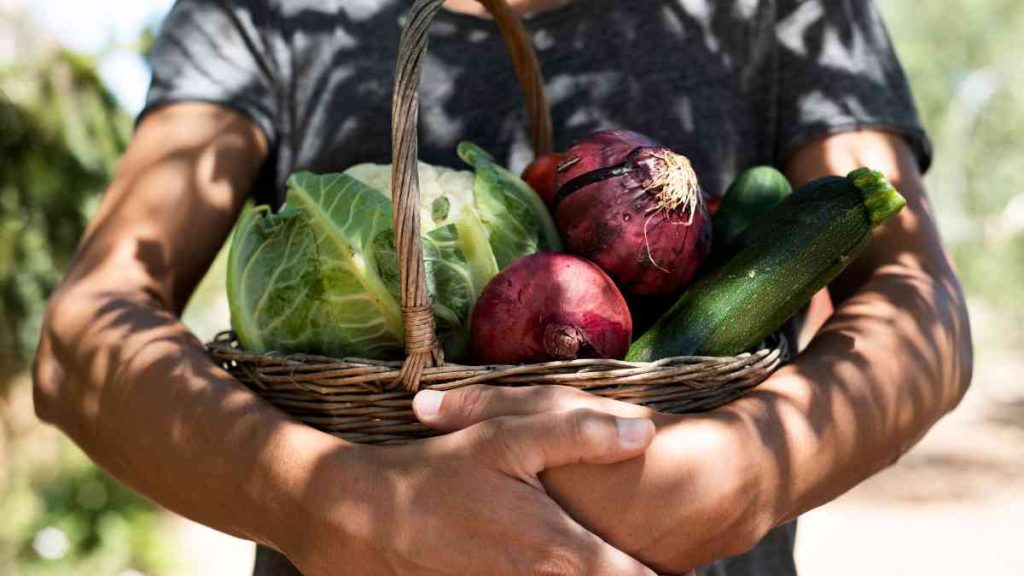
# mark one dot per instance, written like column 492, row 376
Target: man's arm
column 118, row 372
column 894, row 357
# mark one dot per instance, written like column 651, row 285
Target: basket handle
column 422, row 348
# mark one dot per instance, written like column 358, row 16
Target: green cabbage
column 516, row 219
column 321, row 276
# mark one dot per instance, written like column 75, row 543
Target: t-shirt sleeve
column 838, row 72
column 212, row 51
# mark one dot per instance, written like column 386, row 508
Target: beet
column 550, row 306
column 635, row 209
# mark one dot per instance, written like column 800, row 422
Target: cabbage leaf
column 517, row 221
column 446, row 197
column 306, row 280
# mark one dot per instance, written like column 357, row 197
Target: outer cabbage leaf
column 322, row 275
column 451, row 284
column 305, row 279
column 516, row 219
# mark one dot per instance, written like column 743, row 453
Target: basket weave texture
column 370, row 401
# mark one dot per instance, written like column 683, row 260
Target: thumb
column 462, row 407
column 528, row 445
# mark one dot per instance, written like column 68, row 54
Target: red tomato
column 714, row 202
column 540, row 175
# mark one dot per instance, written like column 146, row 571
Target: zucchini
column 781, row 261
column 756, row 191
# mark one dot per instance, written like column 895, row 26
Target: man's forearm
column 127, row 381
column 136, row 390
column 889, row 363
column 894, row 358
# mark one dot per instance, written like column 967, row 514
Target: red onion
column 550, row 306
column 635, row 209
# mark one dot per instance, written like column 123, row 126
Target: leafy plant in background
column 964, row 67
column 72, row 518
column 61, row 133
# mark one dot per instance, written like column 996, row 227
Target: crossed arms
column 540, row 480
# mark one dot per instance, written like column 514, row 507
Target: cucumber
column 755, row 192
column 782, row 260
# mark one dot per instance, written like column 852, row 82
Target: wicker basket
column 371, row 401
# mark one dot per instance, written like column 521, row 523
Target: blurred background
column 72, row 77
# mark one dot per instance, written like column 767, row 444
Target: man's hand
column 466, row 503
column 695, row 496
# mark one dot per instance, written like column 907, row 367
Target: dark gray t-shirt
column 729, row 84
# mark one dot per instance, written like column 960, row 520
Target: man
column 531, row 481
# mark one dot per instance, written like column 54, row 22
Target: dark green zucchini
column 784, row 258
column 756, row 191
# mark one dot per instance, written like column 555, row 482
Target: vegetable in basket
column 780, row 262
column 550, row 307
column 516, row 218
column 540, row 175
column 321, row 276
column 756, row 191
column 635, row 209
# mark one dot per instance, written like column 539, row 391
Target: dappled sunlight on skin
column 659, row 508
column 815, row 419
column 213, row 160
column 120, row 263
column 112, row 346
column 382, row 515
column 162, row 362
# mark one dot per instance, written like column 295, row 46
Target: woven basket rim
column 226, row 348
column 361, row 401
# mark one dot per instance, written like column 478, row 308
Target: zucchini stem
column 880, row 197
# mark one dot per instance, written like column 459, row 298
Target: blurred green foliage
column 61, row 134
column 69, row 517
column 965, row 68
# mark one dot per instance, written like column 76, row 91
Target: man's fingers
column 463, row 407
column 526, row 445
